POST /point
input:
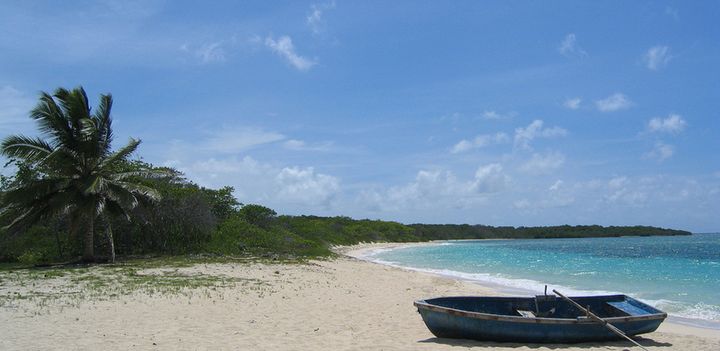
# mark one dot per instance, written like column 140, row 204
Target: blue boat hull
column 474, row 321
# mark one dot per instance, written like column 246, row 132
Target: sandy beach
column 338, row 304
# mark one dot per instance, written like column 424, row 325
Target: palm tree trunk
column 57, row 241
column 111, row 242
column 88, row 247
column 56, row 229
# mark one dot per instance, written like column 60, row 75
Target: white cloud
column 283, row 46
column 617, row 182
column 294, row 144
column 213, row 167
column 429, row 186
column 661, row 151
column 206, row 53
column 15, row 107
column 315, row 18
column 215, row 162
column 461, row 146
column 672, row 124
column 629, row 192
column 479, row 142
column 492, row 115
column 633, row 198
column 622, row 200
column 543, row 164
column 548, row 201
column 251, row 179
column 556, row 196
column 657, row 57
column 570, row 48
column 210, row 53
column 613, row 102
column 303, row 185
column 572, row 103
column 257, row 182
column 523, row 136
column 522, row 204
column 489, row 179
column 556, row 186
column 438, row 188
column 299, row 145
column 236, row 140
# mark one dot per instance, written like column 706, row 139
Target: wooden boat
column 542, row 319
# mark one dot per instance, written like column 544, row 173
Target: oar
column 592, row 316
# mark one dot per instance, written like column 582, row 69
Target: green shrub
column 31, row 257
column 236, row 236
column 257, row 215
column 38, row 244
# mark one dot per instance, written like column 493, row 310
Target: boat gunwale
column 535, row 320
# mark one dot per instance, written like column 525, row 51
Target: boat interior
column 548, row 306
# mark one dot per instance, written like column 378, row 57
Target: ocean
column 678, row 274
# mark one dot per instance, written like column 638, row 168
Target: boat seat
column 626, row 308
column 526, row 314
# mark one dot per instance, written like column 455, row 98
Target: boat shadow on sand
column 466, row 343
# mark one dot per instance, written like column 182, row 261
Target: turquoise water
column 680, row 275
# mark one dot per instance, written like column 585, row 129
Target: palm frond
column 34, row 191
column 52, row 120
column 142, row 190
column 63, row 161
column 121, row 154
column 95, row 184
column 100, row 206
column 122, row 196
column 144, row 173
column 46, row 206
column 76, row 108
column 89, row 129
column 90, row 137
column 24, row 219
column 104, row 122
column 75, row 105
column 25, row 148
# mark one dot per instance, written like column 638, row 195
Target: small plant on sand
column 38, row 291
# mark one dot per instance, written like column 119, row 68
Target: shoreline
column 361, row 251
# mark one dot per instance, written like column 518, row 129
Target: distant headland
column 465, row 231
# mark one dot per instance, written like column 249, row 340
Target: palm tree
column 80, row 176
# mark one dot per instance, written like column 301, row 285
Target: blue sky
column 492, row 112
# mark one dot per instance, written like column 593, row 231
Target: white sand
column 342, row 304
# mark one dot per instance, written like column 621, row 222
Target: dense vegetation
column 190, row 219
column 71, row 196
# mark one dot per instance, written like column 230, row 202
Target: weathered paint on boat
column 550, row 319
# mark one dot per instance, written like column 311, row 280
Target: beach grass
column 39, row 290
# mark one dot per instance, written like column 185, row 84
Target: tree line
column 72, row 197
